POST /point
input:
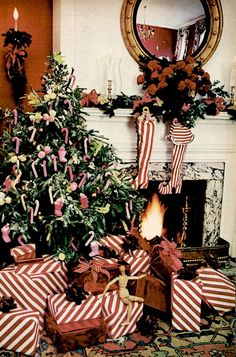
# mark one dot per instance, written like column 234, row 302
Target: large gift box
column 113, row 242
column 64, row 311
column 217, row 290
column 20, row 331
column 139, row 261
column 30, row 283
column 186, row 298
column 115, row 313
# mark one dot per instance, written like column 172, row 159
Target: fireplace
column 210, row 158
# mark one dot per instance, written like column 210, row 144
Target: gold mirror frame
column 134, row 48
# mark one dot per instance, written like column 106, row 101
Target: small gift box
column 23, row 252
column 70, row 336
column 64, row 311
column 115, row 313
column 113, row 242
column 139, row 261
column 19, row 331
column 186, row 301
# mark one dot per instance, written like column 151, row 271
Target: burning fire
column 152, row 218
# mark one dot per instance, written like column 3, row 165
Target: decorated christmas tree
column 61, row 184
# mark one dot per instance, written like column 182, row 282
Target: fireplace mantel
column 214, row 141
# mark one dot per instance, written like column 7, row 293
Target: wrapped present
column 30, row 283
column 19, row 331
column 186, row 301
column 64, row 311
column 115, row 313
column 26, row 251
column 154, row 292
column 139, row 261
column 70, row 336
column 218, row 291
column 114, row 242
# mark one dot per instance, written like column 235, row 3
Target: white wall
column 88, row 32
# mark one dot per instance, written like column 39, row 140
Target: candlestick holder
column 109, row 89
column 232, row 95
column 186, row 209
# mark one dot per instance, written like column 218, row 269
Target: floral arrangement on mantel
column 180, row 90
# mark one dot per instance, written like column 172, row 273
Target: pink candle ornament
column 33, row 133
column 5, row 233
column 20, row 240
column 61, row 154
column 70, row 173
column 50, row 194
column 66, row 131
column 45, row 174
column 58, row 204
column 92, row 234
column 84, row 174
column 54, row 159
column 130, row 205
column 34, row 169
column 17, row 140
column 31, row 215
column 15, row 115
column 72, row 79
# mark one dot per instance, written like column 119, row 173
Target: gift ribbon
column 94, row 266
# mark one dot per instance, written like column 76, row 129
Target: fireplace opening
column 178, row 217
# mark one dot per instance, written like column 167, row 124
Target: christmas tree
column 61, row 185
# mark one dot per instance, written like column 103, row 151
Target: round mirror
column 171, row 29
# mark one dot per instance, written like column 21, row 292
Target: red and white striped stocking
column 180, row 137
column 146, row 128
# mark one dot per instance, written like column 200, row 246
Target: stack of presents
column 40, row 290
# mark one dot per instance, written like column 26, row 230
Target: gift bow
column 94, row 266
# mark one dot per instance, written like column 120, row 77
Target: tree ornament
column 5, row 233
column 58, row 204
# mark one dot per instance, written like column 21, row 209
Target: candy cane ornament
column 34, row 169
column 180, row 137
column 20, row 240
column 33, row 133
column 5, row 233
column 66, row 131
column 70, row 173
column 92, row 234
column 146, row 128
column 84, row 174
column 17, row 140
column 54, row 159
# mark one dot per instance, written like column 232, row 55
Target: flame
column 152, row 219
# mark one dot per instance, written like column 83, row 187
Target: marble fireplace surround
column 211, row 157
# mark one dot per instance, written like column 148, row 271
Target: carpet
column 216, row 339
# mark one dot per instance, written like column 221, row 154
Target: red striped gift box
column 27, row 293
column 217, row 289
column 115, row 312
column 186, row 300
column 64, row 311
column 106, row 263
column 48, row 265
column 113, row 242
column 139, row 261
column 22, row 252
column 19, row 331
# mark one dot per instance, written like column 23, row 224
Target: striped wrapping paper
column 25, row 251
column 139, row 261
column 113, row 242
column 27, row 293
column 19, row 331
column 48, row 265
column 106, row 263
column 186, row 300
column 217, row 289
column 115, row 312
column 64, row 311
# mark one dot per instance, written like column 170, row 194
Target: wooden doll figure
column 123, row 291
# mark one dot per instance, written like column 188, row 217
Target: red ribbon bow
column 94, row 266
